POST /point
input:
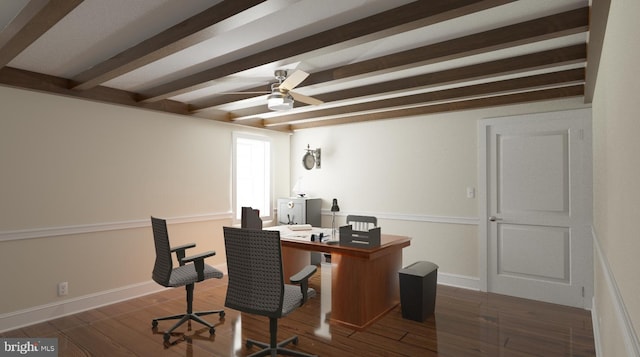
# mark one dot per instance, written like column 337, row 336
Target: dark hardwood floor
column 466, row 323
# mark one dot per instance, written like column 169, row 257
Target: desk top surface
column 301, row 239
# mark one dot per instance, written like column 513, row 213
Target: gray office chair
column 192, row 269
column 256, row 284
column 362, row 223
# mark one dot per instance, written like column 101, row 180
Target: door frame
column 483, row 214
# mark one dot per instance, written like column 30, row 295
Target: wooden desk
column 364, row 282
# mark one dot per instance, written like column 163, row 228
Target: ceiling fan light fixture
column 279, row 101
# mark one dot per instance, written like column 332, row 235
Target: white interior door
column 538, row 206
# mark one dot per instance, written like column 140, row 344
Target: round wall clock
column 308, row 161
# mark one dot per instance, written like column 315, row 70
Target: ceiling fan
column 281, row 97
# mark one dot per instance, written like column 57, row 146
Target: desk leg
column 363, row 290
column 293, row 260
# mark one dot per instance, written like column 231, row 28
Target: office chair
column 192, row 269
column 256, row 284
column 362, row 223
column 250, row 218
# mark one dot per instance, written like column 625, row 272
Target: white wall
column 413, row 174
column 616, row 126
column 79, row 181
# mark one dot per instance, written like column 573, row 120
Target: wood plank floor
column 466, row 323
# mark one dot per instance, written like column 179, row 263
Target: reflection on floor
column 325, row 302
column 466, row 323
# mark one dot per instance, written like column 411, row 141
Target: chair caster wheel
column 295, row 341
column 212, row 330
column 249, row 344
column 222, row 314
column 154, row 323
column 166, row 337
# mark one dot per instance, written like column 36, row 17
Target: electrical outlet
column 63, row 288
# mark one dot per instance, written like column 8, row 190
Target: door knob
column 494, row 218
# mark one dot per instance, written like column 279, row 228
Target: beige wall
column 616, row 125
column 412, row 174
column 99, row 171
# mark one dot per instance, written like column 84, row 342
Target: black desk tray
column 360, row 239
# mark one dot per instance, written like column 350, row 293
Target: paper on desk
column 295, row 236
column 300, row 227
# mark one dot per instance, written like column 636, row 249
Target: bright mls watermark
column 45, row 347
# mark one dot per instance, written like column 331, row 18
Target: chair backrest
column 362, row 223
column 250, row 218
column 163, row 265
column 254, row 264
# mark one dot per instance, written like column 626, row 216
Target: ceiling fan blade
column 293, row 80
column 240, row 92
column 305, row 99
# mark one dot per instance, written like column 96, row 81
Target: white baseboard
column 596, row 327
column 37, row 314
column 631, row 342
column 17, row 319
column 459, row 281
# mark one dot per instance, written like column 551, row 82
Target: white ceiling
column 97, row 30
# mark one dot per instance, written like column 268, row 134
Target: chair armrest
column 198, row 262
column 183, row 247
column 200, row 256
column 180, row 251
column 303, row 274
column 302, row 278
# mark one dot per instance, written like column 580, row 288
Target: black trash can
column 418, row 283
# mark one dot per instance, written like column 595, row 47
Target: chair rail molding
column 411, row 217
column 106, row 226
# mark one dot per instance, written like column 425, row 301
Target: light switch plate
column 471, row 192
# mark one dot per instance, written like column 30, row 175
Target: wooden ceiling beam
column 512, row 65
column 598, row 24
column 36, row 18
column 31, row 9
column 176, row 38
column 400, row 19
column 545, row 28
column 539, row 60
column 492, row 88
column 28, row 25
column 553, row 26
column 17, row 78
column 501, row 100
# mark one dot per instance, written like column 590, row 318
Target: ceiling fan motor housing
column 281, row 75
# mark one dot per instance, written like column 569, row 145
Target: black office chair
column 362, row 223
column 256, row 284
column 250, row 218
column 192, row 269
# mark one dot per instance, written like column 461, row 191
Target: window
column 252, row 174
